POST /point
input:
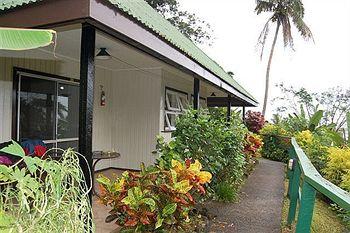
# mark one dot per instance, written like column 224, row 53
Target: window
column 176, row 104
column 47, row 109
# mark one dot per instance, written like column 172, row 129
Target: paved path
column 260, row 206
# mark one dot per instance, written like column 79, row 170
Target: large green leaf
column 23, row 39
column 169, row 209
column 315, row 120
column 13, row 149
column 348, row 125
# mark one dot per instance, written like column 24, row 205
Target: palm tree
column 283, row 13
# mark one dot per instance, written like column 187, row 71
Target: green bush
column 276, row 143
column 313, row 148
column 337, row 169
column 205, row 135
column 226, row 192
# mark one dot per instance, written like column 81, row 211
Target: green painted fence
column 304, row 183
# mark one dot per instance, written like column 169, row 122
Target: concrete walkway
column 260, row 206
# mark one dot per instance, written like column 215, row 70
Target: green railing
column 304, row 182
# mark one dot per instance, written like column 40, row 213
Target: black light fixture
column 103, row 54
column 213, row 94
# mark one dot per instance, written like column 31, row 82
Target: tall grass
column 45, row 196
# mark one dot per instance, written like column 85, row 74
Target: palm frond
column 263, row 36
column 296, row 11
column 287, row 32
column 304, row 30
column 264, row 6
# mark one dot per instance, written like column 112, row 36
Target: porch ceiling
column 68, row 48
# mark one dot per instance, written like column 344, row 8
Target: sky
column 315, row 66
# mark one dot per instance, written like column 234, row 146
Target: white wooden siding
column 135, row 117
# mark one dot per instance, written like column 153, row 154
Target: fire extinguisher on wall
column 103, row 97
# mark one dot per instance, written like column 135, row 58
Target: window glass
column 67, row 111
column 37, row 109
column 184, row 102
column 170, row 120
column 172, row 100
column 48, row 111
column 176, row 104
column 68, row 144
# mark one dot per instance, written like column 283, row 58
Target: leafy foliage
column 254, row 121
column 156, row 200
column 44, row 195
column 313, row 148
column 207, row 136
column 252, row 150
column 276, row 142
column 254, row 143
column 226, row 192
column 338, row 167
column 188, row 23
column 335, row 103
column 283, row 12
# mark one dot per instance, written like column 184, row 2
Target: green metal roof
column 7, row 4
column 146, row 15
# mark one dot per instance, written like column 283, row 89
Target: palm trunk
column 268, row 69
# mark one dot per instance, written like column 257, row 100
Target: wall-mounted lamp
column 103, row 54
column 213, row 94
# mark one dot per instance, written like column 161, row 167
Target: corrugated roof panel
column 8, row 4
column 145, row 14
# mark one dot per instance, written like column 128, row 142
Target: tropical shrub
column 313, row 148
column 338, row 166
column 253, row 145
column 276, row 142
column 252, row 150
column 226, row 192
column 155, row 200
column 43, row 195
column 254, row 121
column 217, row 144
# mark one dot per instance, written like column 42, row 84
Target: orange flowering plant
column 156, row 199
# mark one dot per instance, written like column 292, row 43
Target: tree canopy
column 335, row 103
column 188, row 23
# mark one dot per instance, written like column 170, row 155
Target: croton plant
column 156, row 199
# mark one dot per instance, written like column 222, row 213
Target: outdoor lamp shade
column 103, row 54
